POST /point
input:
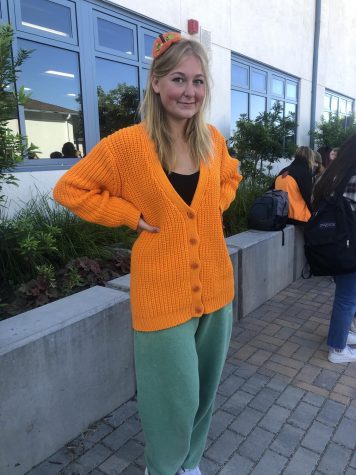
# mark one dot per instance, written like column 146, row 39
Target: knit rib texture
column 183, row 271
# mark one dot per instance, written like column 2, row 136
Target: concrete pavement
column 282, row 408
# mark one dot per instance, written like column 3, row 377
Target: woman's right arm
column 92, row 189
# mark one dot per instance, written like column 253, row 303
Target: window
column 53, row 114
column 118, row 95
column 256, row 88
column 50, row 18
column 84, row 82
column 335, row 103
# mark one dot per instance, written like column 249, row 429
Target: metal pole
column 315, row 70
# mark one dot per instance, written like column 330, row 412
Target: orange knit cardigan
column 183, row 271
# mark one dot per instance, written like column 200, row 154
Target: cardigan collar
column 166, row 185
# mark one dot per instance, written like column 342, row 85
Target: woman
column 325, row 151
column 296, row 180
column 318, row 168
column 340, row 334
column 170, row 178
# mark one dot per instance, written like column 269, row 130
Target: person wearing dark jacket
column 296, row 180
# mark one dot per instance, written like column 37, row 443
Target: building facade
column 89, row 62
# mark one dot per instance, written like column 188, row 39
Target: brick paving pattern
column 282, row 408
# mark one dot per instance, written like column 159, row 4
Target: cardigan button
column 193, row 241
column 190, row 215
column 196, row 288
column 194, row 265
column 199, row 309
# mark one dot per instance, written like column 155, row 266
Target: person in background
column 324, row 151
column 55, row 155
column 318, row 168
column 342, row 329
column 170, row 178
column 296, row 180
column 69, row 151
column 333, row 153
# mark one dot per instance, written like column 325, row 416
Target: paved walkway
column 282, row 408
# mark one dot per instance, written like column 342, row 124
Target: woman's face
column 182, row 90
column 333, row 154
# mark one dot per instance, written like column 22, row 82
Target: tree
column 13, row 146
column 335, row 131
column 117, row 108
column 261, row 142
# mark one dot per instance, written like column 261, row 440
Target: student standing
column 171, row 178
column 342, row 327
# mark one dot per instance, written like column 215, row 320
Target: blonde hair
column 196, row 132
column 305, row 154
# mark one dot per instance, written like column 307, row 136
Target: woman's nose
column 189, row 89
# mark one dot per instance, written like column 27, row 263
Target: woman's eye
column 199, row 81
column 178, row 80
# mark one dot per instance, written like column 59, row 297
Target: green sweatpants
column 178, row 372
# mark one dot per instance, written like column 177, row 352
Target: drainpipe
column 315, row 69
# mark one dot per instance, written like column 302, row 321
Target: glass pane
column 278, row 86
column 290, row 109
column 239, row 105
column 118, row 95
column 144, row 79
column 258, row 81
column 148, row 45
column 334, row 104
column 239, row 75
column 54, row 112
column 342, row 106
column 327, row 102
column 326, row 116
column 291, row 92
column 349, row 107
column 276, row 101
column 46, row 16
column 116, row 37
column 257, row 105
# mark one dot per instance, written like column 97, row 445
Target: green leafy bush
column 335, row 131
column 44, row 251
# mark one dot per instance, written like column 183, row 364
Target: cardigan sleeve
column 92, row 190
column 229, row 178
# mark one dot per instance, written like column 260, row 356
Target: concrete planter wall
column 70, row 362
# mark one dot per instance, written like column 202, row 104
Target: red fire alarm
column 193, row 27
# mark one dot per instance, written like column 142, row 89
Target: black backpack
column 330, row 235
column 269, row 212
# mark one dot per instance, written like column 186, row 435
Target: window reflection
column 239, row 75
column 46, row 16
column 53, row 114
column 257, row 105
column 118, row 95
column 327, row 102
column 278, row 86
column 148, row 45
column 290, row 109
column 291, row 90
column 115, row 37
column 259, row 81
column 239, row 105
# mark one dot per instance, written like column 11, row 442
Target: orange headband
column 163, row 42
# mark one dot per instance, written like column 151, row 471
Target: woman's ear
column 155, row 84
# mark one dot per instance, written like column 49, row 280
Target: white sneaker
column 347, row 355
column 353, row 324
column 351, row 338
column 189, row 471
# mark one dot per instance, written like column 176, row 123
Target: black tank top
column 185, row 185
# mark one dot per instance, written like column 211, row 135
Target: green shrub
column 333, row 132
column 43, row 238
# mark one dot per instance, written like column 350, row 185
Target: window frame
column 239, row 60
column 85, row 11
column 340, row 97
column 71, row 4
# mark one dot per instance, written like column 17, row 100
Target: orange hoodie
column 183, row 271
